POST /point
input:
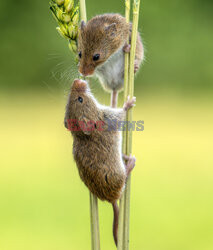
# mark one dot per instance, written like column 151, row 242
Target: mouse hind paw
column 130, row 163
column 129, row 103
column 136, row 66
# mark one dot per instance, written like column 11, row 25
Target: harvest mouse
column 101, row 47
column 97, row 145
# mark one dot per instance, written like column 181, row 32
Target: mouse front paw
column 127, row 48
column 136, row 66
column 129, row 103
column 130, row 163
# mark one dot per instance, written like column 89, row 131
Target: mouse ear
column 111, row 29
column 83, row 25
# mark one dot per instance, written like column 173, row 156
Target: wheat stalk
column 136, row 7
column 123, row 236
column 124, row 144
column 94, row 218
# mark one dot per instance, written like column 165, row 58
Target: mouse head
column 98, row 40
column 81, row 104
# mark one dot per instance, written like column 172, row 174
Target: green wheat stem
column 126, row 69
column 136, row 7
column 83, row 10
column 94, row 218
column 124, row 144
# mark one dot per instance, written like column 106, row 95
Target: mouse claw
column 125, row 157
column 127, row 48
column 129, row 103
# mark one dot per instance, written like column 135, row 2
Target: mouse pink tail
column 115, row 222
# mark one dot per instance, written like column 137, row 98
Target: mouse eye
column 96, row 57
column 79, row 54
column 80, row 99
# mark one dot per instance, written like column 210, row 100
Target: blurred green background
column 43, row 204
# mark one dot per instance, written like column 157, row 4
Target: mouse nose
column 86, row 70
column 77, row 81
column 84, row 73
column 80, row 85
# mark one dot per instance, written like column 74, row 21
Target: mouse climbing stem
column 94, row 218
column 123, row 235
column 136, row 7
column 83, row 10
column 124, row 144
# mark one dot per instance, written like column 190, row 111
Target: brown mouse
column 101, row 47
column 97, row 145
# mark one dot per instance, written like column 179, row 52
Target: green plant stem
column 124, row 145
column 136, row 7
column 94, row 218
column 95, row 238
column 83, row 10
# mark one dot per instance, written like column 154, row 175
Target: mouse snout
column 78, row 81
column 87, row 73
column 79, row 85
column 86, row 70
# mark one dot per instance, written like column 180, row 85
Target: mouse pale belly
column 111, row 73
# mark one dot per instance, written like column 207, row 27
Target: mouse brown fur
column 97, row 151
